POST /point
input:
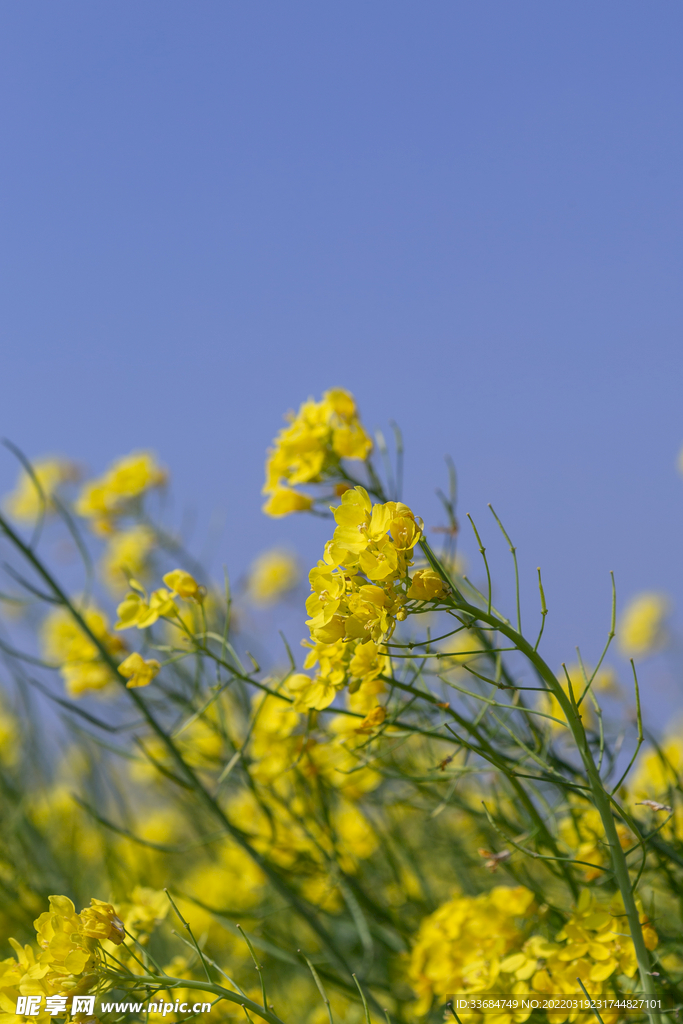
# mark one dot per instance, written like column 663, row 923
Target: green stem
column 205, row 986
column 601, row 799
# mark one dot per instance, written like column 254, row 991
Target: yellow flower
column 135, row 610
column 426, row 585
column 310, row 694
column 137, row 671
column 310, row 447
column 9, row 737
column 460, row 946
column 100, row 921
column 184, row 585
column 605, row 682
column 641, row 630
column 126, row 554
column 357, row 593
column 145, row 909
column 369, row 661
column 271, row 575
column 657, row 776
column 126, row 479
column 373, row 719
column 79, row 659
column 25, row 502
column 583, row 832
column 284, row 500
column 356, row 839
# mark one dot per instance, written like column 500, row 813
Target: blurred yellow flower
column 284, row 500
column 77, row 656
column 137, row 671
column 658, row 772
column 604, row 682
column 426, row 585
column 642, row 627
column 126, row 554
column 271, row 575
column 459, row 947
column 127, row 478
column 25, row 502
column 183, row 585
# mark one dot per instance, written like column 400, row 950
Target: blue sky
column 468, row 214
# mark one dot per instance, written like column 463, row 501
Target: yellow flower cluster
column 460, row 947
column 280, row 814
column 641, row 630
column 310, row 447
column 478, row 944
column 105, row 498
column 25, row 502
column 67, row 957
column 143, row 610
column 78, row 658
column 358, row 592
column 271, row 575
column 584, row 834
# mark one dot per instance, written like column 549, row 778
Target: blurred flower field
column 411, row 818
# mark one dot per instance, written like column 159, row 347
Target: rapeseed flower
column 77, row 656
column 127, row 555
column 139, row 609
column 310, row 448
column 272, row 575
column 66, row 958
column 358, row 594
column 284, row 500
column 604, row 682
column 103, row 499
column 25, row 502
column 642, row 627
column 584, row 834
column 482, row 944
column 459, row 948
column 137, row 671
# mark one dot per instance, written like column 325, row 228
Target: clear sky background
column 469, row 214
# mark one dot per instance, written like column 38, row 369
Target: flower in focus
column 357, row 594
column 272, row 574
column 312, row 444
column 25, row 502
column 127, row 554
column 110, row 495
column 642, row 628
column 139, row 609
column 137, row 671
